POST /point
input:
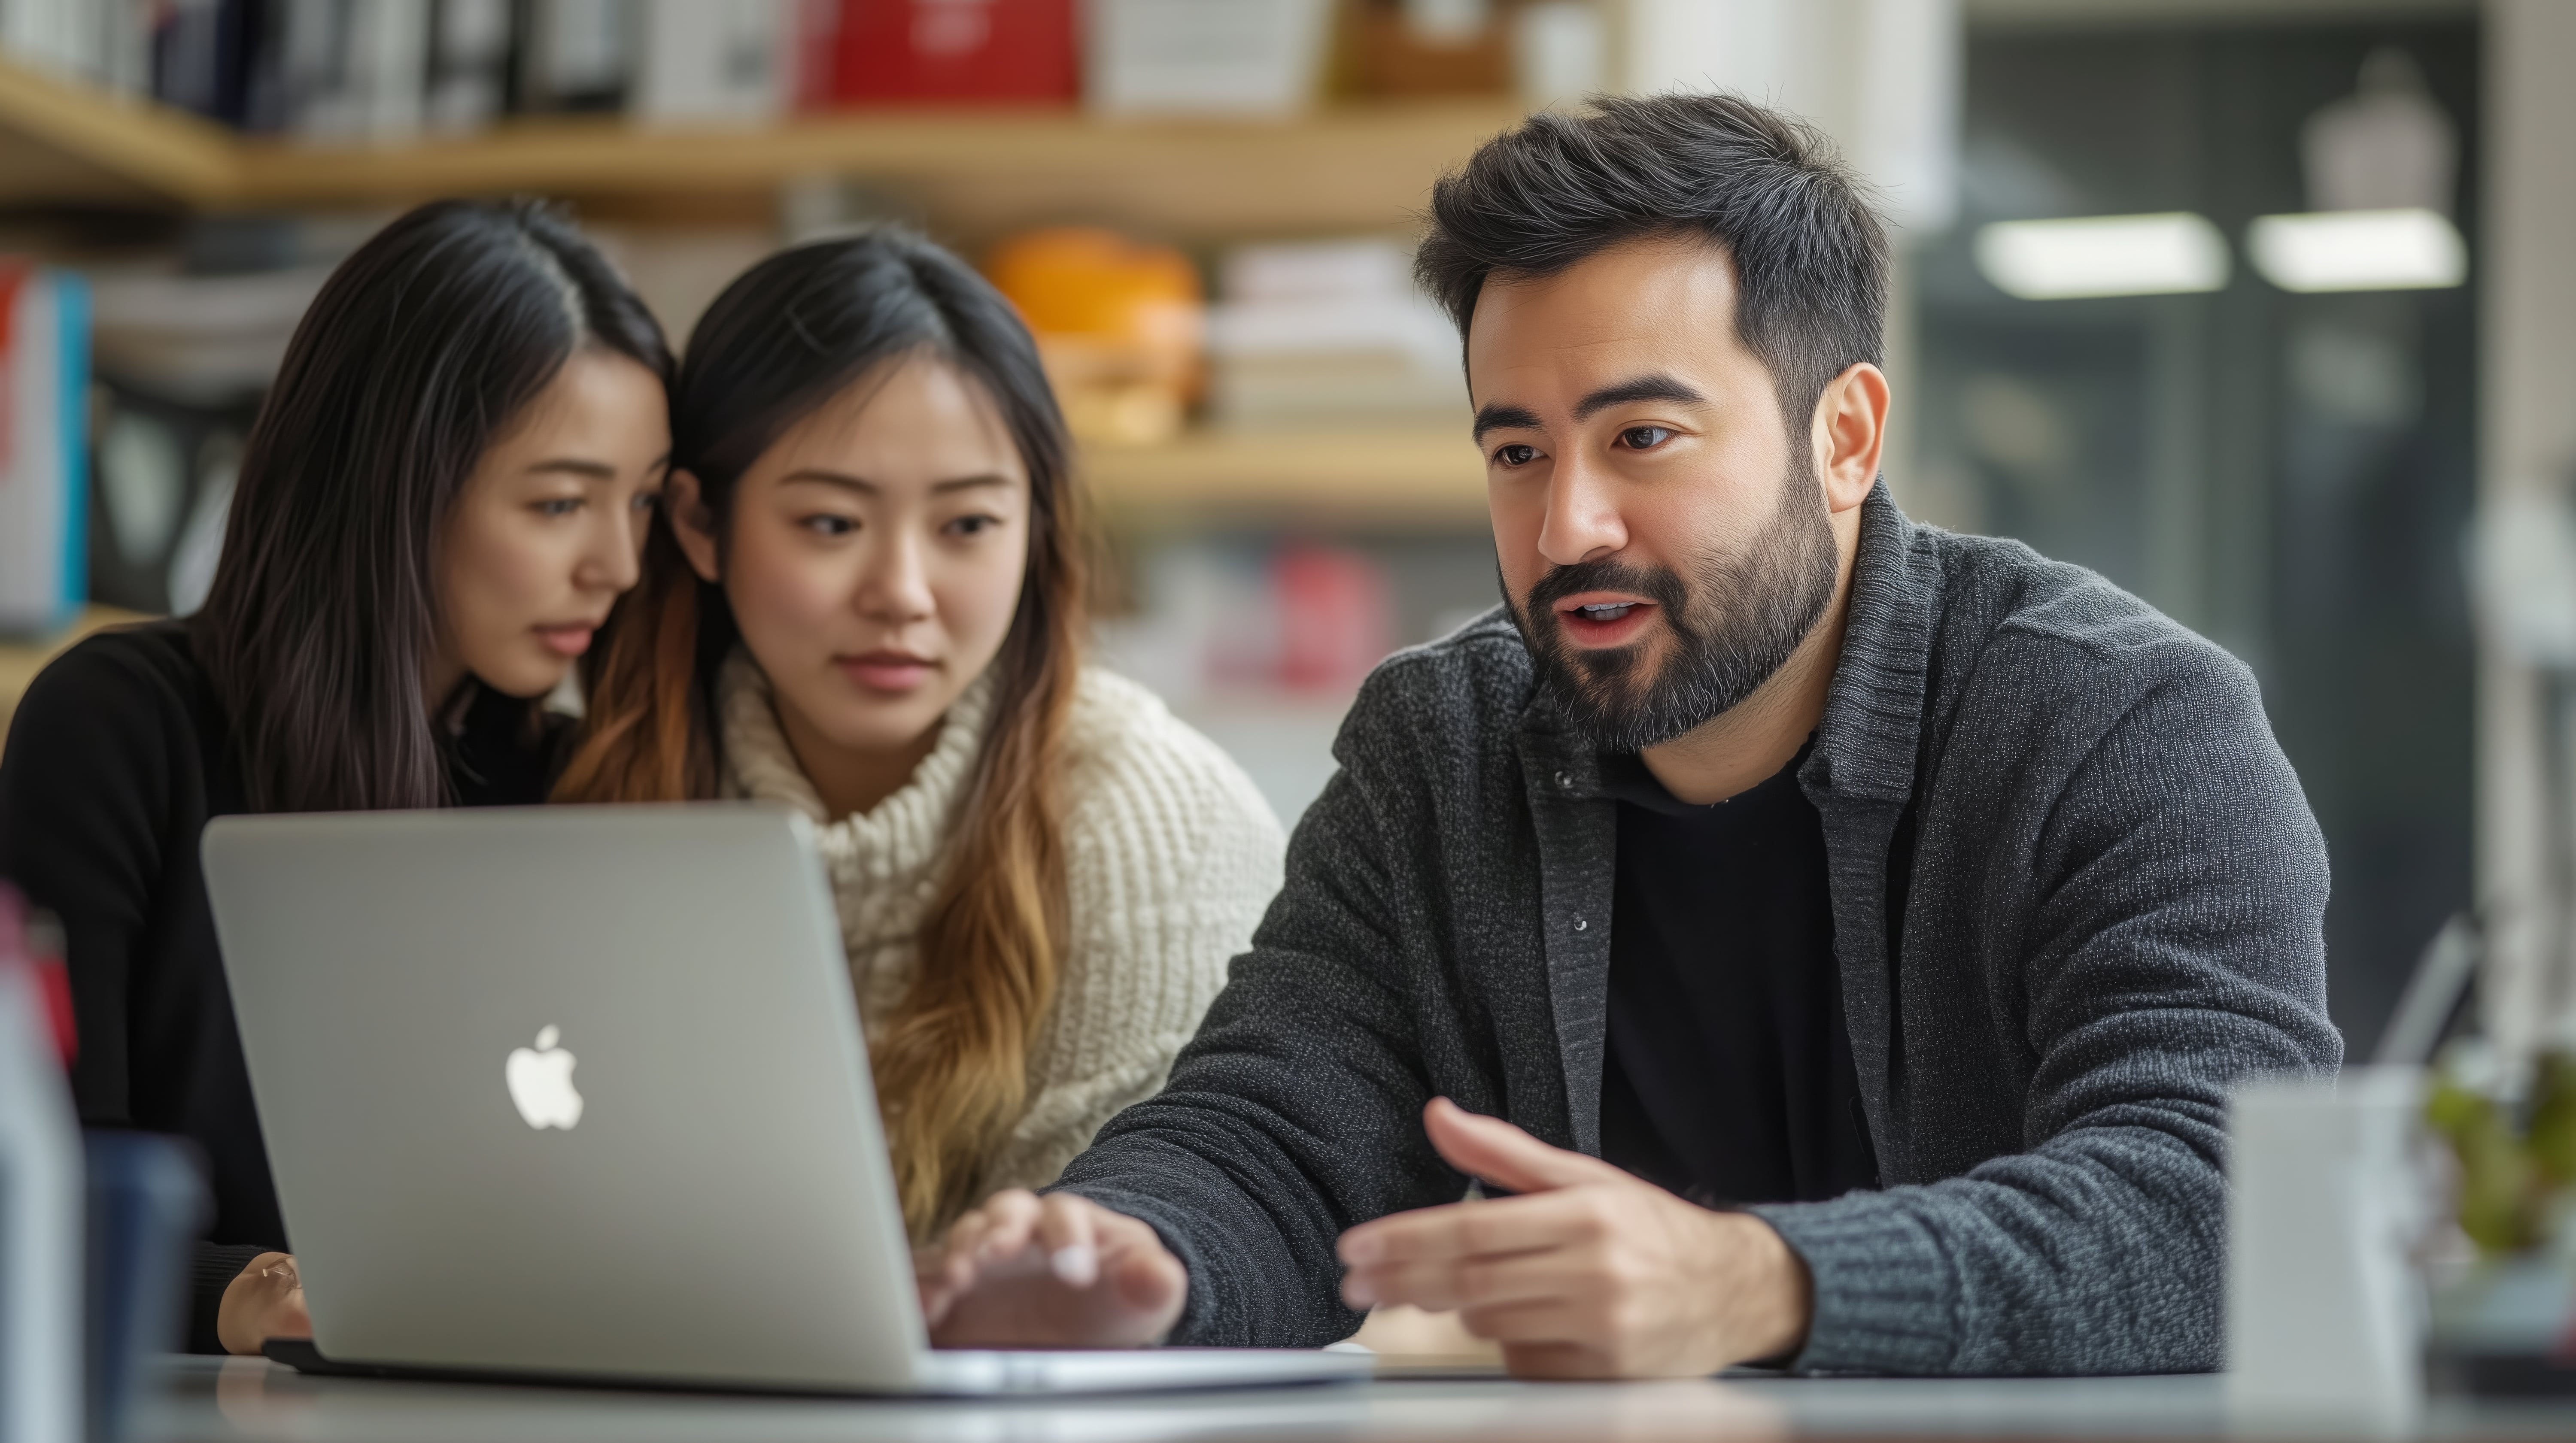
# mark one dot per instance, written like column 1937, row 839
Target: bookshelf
column 975, row 173
column 1362, row 167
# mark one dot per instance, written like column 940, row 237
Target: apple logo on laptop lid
column 540, row 1081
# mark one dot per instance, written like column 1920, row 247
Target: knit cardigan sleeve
column 1171, row 856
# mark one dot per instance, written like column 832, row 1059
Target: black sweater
column 118, row 757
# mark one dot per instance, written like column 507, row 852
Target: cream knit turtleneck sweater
column 1170, row 857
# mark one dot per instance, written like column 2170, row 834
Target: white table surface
column 251, row 1399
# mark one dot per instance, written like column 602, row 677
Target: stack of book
column 1329, row 332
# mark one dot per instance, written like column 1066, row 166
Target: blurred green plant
column 2516, row 1166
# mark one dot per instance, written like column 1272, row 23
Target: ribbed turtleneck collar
column 884, row 861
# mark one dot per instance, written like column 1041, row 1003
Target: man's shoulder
column 1475, row 681
column 2053, row 630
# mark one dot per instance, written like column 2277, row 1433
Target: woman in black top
column 440, row 500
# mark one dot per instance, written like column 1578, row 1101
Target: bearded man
column 1837, row 937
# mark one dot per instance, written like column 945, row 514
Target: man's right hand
column 1060, row 1271
column 265, row 1300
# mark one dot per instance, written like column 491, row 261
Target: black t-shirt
column 118, row 757
column 1729, row 1075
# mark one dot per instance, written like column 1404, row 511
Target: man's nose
column 1583, row 521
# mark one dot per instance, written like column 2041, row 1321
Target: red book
column 1010, row 51
column 1336, row 620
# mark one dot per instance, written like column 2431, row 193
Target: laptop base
column 960, row 1373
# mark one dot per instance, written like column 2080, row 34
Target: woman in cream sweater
column 867, row 603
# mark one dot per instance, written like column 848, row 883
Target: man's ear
column 692, row 523
column 1850, row 432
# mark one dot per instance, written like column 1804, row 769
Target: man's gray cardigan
column 2077, row 894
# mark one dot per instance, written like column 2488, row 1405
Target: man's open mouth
column 1606, row 610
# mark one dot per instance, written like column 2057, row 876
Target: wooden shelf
column 1406, row 479
column 1355, row 167
column 61, row 141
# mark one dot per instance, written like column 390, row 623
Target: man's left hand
column 1590, row 1272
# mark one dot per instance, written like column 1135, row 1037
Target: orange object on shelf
column 1119, row 323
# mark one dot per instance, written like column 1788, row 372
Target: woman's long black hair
column 421, row 349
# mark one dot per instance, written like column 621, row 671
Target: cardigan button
column 1580, row 924
column 1565, row 779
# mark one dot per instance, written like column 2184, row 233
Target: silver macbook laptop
column 580, row 1092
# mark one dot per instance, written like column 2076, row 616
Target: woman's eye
column 1515, row 454
column 830, row 525
column 647, row 500
column 558, row 506
column 972, row 525
column 1644, row 438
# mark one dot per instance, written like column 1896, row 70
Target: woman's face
column 550, row 527
column 875, row 555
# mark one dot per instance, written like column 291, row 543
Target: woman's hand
column 266, row 1301
column 1053, row 1272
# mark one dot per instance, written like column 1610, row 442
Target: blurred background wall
column 2245, row 303
column 2291, row 474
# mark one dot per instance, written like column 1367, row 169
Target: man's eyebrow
column 1496, row 416
column 1657, row 387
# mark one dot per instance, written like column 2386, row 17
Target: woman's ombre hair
column 787, row 336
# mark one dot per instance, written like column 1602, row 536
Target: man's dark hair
column 1810, row 254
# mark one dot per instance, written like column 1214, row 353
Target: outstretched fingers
column 1504, row 1155
column 1475, row 1229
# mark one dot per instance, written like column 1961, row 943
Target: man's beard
column 1733, row 626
